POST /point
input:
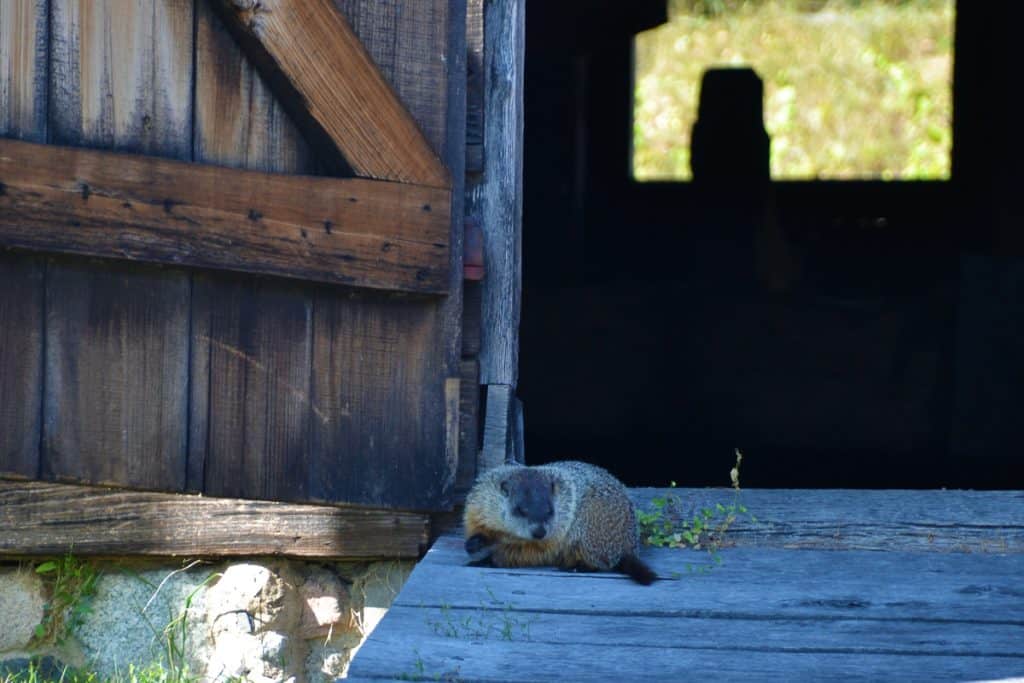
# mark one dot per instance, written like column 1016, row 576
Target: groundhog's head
column 530, row 510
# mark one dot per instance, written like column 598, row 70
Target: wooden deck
column 826, row 585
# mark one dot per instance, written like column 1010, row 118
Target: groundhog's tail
column 633, row 567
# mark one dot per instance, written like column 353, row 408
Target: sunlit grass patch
column 853, row 89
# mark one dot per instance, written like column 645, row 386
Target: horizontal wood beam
column 320, row 70
column 40, row 518
column 349, row 231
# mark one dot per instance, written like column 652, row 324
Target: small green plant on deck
column 71, row 583
column 668, row 525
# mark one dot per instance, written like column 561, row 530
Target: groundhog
column 567, row 514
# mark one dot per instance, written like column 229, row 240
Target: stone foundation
column 260, row 620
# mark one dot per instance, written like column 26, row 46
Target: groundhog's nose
column 539, row 532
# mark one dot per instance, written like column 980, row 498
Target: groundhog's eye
column 519, row 511
column 505, row 487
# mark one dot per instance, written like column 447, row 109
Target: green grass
column 853, row 88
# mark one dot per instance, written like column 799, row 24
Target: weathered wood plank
column 920, row 521
column 828, row 614
column 469, row 424
column 497, row 200
column 410, row 44
column 121, row 75
column 440, row 658
column 380, row 439
column 251, row 361
column 253, row 338
column 23, row 55
column 36, row 519
column 812, row 583
column 239, row 122
column 487, row 626
column 116, row 336
column 346, row 231
column 499, row 423
column 21, row 365
column 380, row 363
column 115, row 402
column 334, row 86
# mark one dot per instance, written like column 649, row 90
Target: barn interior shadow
column 840, row 333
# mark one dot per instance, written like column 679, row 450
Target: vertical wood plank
column 407, row 39
column 23, row 53
column 378, row 381
column 21, row 366
column 117, row 337
column 497, row 199
column 380, row 363
column 251, row 337
column 23, row 50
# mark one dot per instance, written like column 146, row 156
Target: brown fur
column 585, row 519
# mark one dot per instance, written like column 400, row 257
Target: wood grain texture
column 23, row 92
column 251, row 336
column 376, row 379
column 116, row 336
column 380, row 362
column 346, row 231
column 764, row 612
column 496, row 200
column 498, row 427
column 238, row 120
column 334, row 85
column 23, row 52
column 836, row 519
column 37, row 519
column 21, row 365
column 122, row 75
column 115, row 403
column 469, row 424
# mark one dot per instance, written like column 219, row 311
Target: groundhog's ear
column 506, row 487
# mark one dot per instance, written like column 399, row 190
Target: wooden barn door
column 332, row 383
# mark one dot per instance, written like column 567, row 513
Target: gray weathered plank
column 23, row 57
column 498, row 427
column 940, row 521
column 37, row 519
column 496, row 201
column 803, row 583
column 771, row 613
column 465, row 660
column 117, row 337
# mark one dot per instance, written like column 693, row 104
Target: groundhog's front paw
column 479, row 549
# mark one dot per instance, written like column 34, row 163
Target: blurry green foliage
column 853, row 88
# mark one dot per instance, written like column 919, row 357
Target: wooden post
column 496, row 200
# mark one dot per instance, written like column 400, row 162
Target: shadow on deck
column 876, row 585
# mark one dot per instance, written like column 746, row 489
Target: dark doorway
column 840, row 333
